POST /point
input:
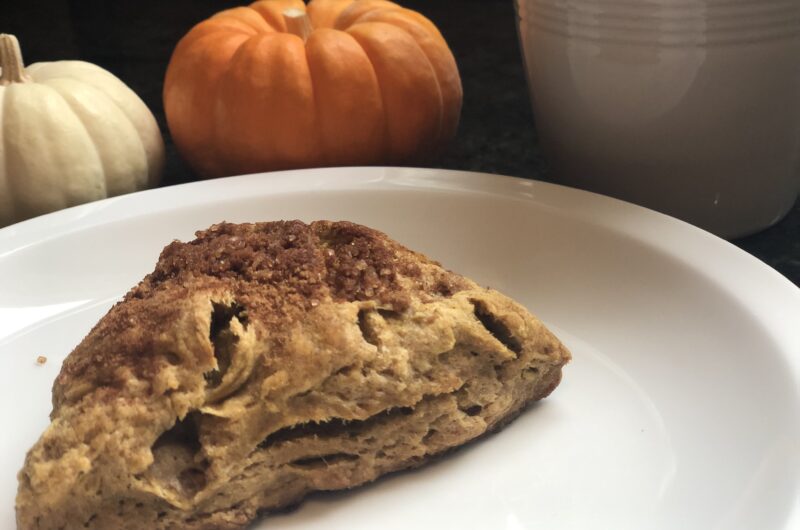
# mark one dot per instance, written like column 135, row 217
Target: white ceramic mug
column 689, row 107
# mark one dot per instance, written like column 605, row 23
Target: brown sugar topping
column 276, row 270
column 361, row 263
column 352, row 262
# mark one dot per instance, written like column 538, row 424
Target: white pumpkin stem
column 11, row 61
column 297, row 22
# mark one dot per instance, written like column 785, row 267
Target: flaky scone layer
column 261, row 362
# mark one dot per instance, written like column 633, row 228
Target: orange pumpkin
column 281, row 85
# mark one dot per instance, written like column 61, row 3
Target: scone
column 261, row 362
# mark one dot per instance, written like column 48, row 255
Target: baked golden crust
column 260, row 362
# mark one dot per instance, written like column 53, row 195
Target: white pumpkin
column 70, row 132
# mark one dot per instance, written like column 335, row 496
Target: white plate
column 680, row 409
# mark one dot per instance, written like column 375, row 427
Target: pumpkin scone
column 261, row 362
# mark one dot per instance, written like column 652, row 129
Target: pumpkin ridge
column 247, row 155
column 315, row 97
column 198, row 150
column 57, row 197
column 347, row 20
column 108, row 170
column 385, row 144
column 441, row 135
column 387, row 118
column 268, row 16
column 86, row 129
column 7, row 204
column 424, row 23
column 440, row 121
column 365, row 16
column 91, row 73
column 330, row 110
column 214, row 98
column 432, row 44
column 213, row 27
column 39, row 71
column 95, row 77
column 317, row 140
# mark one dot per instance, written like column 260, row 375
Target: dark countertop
column 134, row 41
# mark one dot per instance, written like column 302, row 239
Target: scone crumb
column 40, row 360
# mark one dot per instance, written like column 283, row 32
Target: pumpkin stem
column 297, row 22
column 13, row 70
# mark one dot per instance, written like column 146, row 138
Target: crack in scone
column 261, row 362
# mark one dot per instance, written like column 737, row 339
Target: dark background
column 134, row 41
